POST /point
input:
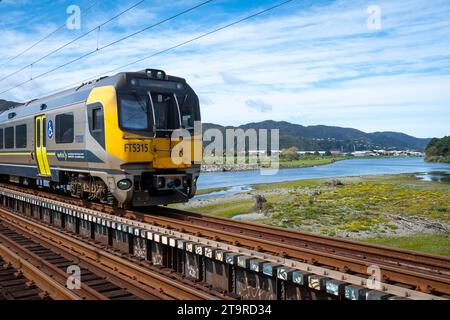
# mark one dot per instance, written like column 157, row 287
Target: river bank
column 283, row 164
column 373, row 208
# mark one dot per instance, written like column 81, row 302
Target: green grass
column 290, row 184
column 359, row 205
column 309, row 162
column 227, row 210
column 305, row 161
column 435, row 244
column 210, row 190
column 354, row 206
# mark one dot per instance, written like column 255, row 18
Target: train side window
column 64, row 124
column 21, row 136
column 38, row 133
column 1, row 138
column 96, row 119
column 44, row 132
column 9, row 138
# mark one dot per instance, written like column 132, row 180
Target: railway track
column 94, row 285
column 15, row 286
column 426, row 272
column 409, row 270
column 104, row 275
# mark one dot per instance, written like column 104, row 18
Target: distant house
column 365, row 153
column 380, row 152
column 303, row 153
column 257, row 152
column 262, row 152
column 337, row 153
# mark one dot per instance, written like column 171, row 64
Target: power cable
column 43, row 39
column 165, row 50
column 72, row 41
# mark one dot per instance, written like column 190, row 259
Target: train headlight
column 161, row 182
column 124, row 184
column 155, row 74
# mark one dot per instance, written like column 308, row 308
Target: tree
column 290, row 154
column 438, row 150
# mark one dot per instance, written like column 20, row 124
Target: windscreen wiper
column 138, row 99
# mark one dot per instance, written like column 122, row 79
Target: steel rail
column 42, row 280
column 85, row 291
column 51, row 270
column 107, row 261
column 393, row 256
column 423, row 282
column 333, row 263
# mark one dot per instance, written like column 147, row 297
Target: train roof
column 71, row 96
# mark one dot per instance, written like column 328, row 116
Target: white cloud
column 317, row 65
column 258, row 105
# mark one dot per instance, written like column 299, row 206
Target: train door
column 40, row 141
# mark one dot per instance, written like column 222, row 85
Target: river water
column 241, row 181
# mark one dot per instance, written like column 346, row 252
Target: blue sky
column 310, row 62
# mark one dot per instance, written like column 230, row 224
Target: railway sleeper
column 14, row 286
column 96, row 282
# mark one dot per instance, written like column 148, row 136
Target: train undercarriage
column 147, row 189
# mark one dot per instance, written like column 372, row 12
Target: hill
column 322, row 137
column 4, row 104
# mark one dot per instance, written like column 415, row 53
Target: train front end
column 154, row 136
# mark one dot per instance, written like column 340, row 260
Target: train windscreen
column 133, row 114
column 157, row 112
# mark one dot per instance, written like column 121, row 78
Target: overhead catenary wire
column 44, row 38
column 109, row 44
column 202, row 35
column 185, row 42
column 172, row 47
column 73, row 41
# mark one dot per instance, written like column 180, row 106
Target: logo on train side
column 50, row 129
column 62, row 155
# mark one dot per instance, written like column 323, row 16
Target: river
column 240, row 181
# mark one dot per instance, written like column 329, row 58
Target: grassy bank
column 434, row 243
column 397, row 210
column 243, row 163
column 304, row 162
column 210, row 190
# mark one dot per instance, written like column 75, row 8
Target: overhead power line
column 108, row 45
column 175, row 46
column 43, row 39
column 72, row 41
column 202, row 35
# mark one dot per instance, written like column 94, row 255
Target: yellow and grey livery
column 108, row 140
